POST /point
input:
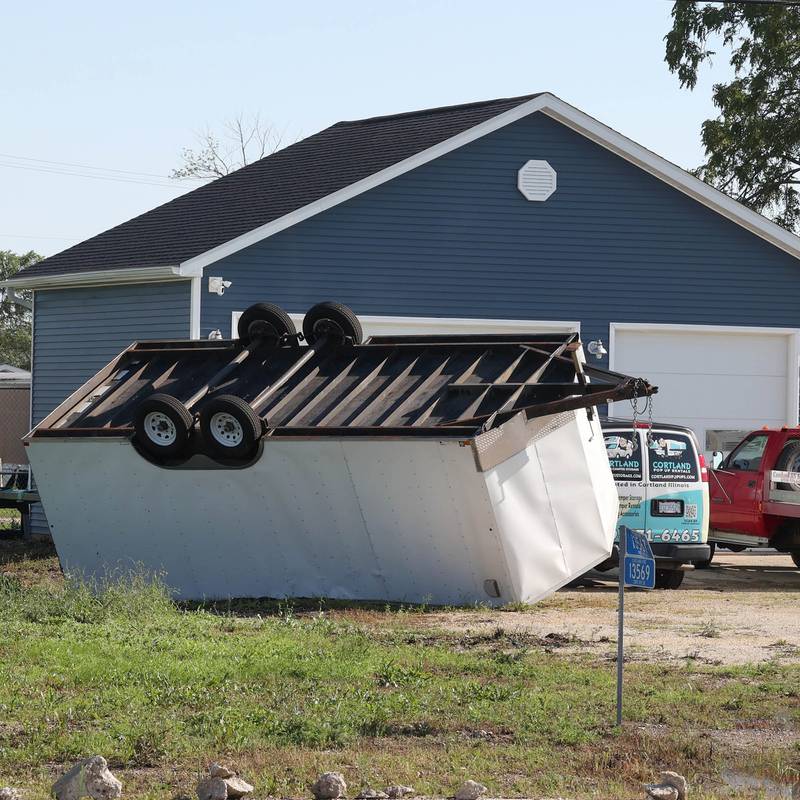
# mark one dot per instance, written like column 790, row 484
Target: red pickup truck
column 755, row 494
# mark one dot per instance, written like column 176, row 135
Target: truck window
column 672, row 457
column 624, row 455
column 747, row 456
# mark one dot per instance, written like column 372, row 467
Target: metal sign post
column 620, row 621
column 637, row 567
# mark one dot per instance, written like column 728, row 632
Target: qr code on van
column 691, row 511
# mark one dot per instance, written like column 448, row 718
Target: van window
column 624, row 455
column 672, row 457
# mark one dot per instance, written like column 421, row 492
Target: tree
column 15, row 317
column 242, row 142
column 753, row 146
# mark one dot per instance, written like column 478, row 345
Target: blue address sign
column 639, row 566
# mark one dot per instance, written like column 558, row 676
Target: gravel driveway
column 742, row 610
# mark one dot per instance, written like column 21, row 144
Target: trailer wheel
column 789, row 461
column 706, row 564
column 334, row 320
column 230, row 427
column 669, row 578
column 264, row 321
column 795, row 554
column 163, row 425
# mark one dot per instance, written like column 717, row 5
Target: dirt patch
column 770, row 734
column 742, row 610
column 29, row 561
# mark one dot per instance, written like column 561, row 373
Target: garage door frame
column 792, row 359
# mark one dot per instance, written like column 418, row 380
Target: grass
column 9, row 520
column 709, row 630
column 286, row 691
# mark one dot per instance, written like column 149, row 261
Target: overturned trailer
column 443, row 469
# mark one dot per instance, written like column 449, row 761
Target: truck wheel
column 264, row 321
column 795, row 554
column 334, row 320
column 669, row 578
column 162, row 424
column 230, row 427
column 789, row 461
column 707, row 563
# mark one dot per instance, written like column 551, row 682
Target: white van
column 662, row 482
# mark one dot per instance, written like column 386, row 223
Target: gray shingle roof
column 268, row 189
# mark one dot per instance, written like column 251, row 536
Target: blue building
column 501, row 215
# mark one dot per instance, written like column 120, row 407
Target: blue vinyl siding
column 454, row 237
column 76, row 332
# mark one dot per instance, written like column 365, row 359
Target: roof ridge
column 437, row 109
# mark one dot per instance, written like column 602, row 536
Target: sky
column 126, row 86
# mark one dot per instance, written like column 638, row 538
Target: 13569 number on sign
column 639, row 572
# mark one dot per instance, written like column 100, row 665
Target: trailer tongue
column 440, row 469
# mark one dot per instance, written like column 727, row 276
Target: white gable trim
column 560, row 111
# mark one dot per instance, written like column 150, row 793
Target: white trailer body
column 509, row 515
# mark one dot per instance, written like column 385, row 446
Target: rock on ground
column 678, row 781
column 88, row 778
column 220, row 771
column 660, row 791
column 470, row 790
column 397, row 791
column 9, row 793
column 222, row 783
column 671, row 786
column 371, row 794
column 329, row 786
column 212, row 788
column 237, row 787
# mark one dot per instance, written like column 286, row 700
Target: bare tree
column 242, row 141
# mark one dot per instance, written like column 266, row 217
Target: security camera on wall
column 218, row 286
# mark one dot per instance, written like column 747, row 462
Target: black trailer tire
column 789, row 461
column 334, row 320
column 795, row 554
column 230, row 427
column 706, row 564
column 669, row 578
column 163, row 425
column 264, row 321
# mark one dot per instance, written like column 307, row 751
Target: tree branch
column 248, row 141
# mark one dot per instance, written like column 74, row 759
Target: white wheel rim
column 226, row 429
column 160, row 429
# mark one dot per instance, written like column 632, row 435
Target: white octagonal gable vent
column 536, row 180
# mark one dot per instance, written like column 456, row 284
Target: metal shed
column 15, row 478
column 15, row 410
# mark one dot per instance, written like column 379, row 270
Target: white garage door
column 712, row 378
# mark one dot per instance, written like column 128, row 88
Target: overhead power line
column 74, row 174
column 79, row 171
column 83, row 166
column 40, row 236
